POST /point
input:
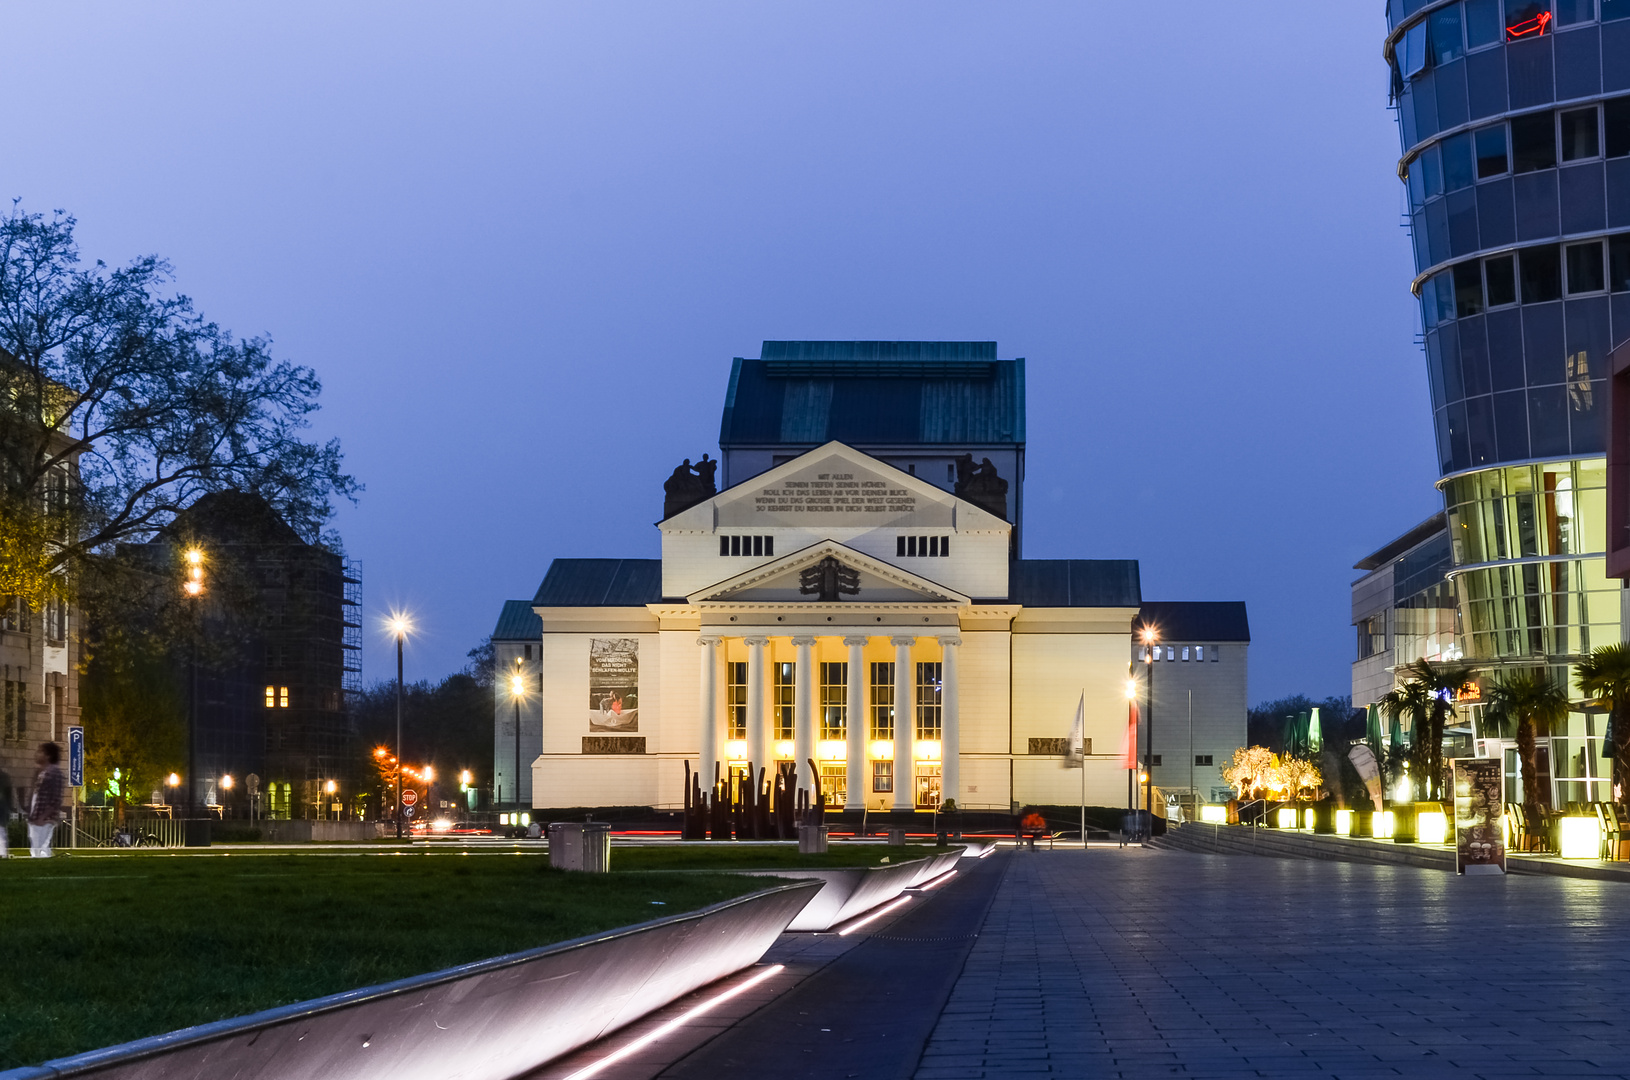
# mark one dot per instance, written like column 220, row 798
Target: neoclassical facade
column 838, row 611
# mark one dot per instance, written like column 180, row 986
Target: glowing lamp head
column 172, row 780
column 399, row 625
column 193, row 588
column 464, row 777
column 227, row 782
column 330, row 787
column 517, row 685
column 429, row 774
column 1150, row 636
column 1131, row 689
column 195, row 557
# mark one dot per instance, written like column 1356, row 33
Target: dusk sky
column 521, row 243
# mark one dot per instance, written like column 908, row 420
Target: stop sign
column 409, row 797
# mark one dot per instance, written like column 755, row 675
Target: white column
column 905, row 723
column 858, row 713
column 707, row 718
column 755, row 704
column 950, row 733
column 803, row 711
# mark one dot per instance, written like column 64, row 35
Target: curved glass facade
column 1515, row 124
column 1514, row 118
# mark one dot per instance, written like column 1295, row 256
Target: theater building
column 859, row 613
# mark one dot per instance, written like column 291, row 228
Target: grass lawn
column 728, row 856
column 101, row 949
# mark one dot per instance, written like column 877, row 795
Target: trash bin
column 811, row 839
column 195, row 832
column 897, row 837
column 584, row 846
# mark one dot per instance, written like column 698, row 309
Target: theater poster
column 1479, row 817
column 614, row 684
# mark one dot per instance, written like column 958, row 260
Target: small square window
column 1154, row 759
column 1526, row 19
column 283, row 697
column 1579, row 135
column 271, row 697
column 1585, row 268
column 882, row 777
column 1491, row 155
column 1569, row 12
column 1533, row 143
column 1483, row 23
column 1541, row 274
column 1500, row 274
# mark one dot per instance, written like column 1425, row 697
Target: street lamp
column 517, row 690
column 193, row 589
column 1151, row 638
column 400, row 626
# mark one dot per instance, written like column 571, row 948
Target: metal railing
column 102, row 831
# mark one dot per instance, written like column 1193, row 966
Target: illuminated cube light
column 1431, row 827
column 1344, row 823
column 1212, row 814
column 1309, row 820
column 1381, row 825
column 1287, row 817
column 1581, row 838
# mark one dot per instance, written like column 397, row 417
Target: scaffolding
column 351, row 641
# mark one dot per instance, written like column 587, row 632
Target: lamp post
column 399, row 626
column 193, row 589
column 1151, row 638
column 517, row 690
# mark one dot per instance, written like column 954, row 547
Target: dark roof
column 1195, row 620
column 1074, row 583
column 518, row 622
column 1437, row 523
column 874, row 393
column 601, row 583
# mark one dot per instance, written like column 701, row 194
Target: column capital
column 706, row 641
column 758, row 642
column 903, row 641
column 856, row 641
column 803, row 640
column 948, row 641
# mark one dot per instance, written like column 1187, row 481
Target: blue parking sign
column 76, row 756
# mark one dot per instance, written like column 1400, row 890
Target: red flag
column 1129, row 744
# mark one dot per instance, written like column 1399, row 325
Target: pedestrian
column 45, row 808
column 5, row 816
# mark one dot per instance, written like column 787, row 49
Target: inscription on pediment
column 835, row 494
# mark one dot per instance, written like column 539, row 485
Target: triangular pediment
column 859, row 579
column 835, row 487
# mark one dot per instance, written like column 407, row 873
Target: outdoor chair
column 1615, row 837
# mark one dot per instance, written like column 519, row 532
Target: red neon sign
column 1528, row 27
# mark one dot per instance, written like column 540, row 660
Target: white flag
column 1074, row 754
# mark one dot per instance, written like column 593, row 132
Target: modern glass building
column 1514, row 118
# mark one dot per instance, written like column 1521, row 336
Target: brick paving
column 1163, row 963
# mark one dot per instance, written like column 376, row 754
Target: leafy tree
column 1428, row 698
column 1532, row 704
column 1410, row 702
column 1604, row 677
column 120, row 405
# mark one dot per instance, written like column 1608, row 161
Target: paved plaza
column 1164, row 963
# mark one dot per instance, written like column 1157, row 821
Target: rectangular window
column 1616, row 125
column 1202, row 759
column 271, row 697
column 1500, row 274
column 1579, row 139
column 1527, row 19
column 758, row 545
column 1459, row 169
column 1216, row 653
column 1443, row 295
column 933, row 547
column 735, row 545
column 883, row 777
column 945, row 547
column 1491, row 155
column 911, row 546
column 1411, row 51
column 1445, row 34
column 1618, row 257
column 1199, row 652
column 1533, row 143
column 1541, row 274
column 835, row 784
column 785, row 698
column 1468, row 277
column 1372, row 636
column 1483, row 23
column 1185, row 654
column 1431, row 171
column 1613, row 10
column 928, row 786
column 735, row 696
column 1569, row 12
column 1171, row 654
column 900, row 546
column 928, row 700
column 834, row 700
column 882, row 701
column 1585, row 268
column 724, row 545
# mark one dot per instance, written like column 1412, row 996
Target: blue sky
column 520, row 243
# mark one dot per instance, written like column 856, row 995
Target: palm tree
column 1604, row 677
column 1413, row 701
column 1444, row 681
column 1535, row 704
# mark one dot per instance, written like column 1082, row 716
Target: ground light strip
column 937, row 882
column 852, row 927
column 673, row 1025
